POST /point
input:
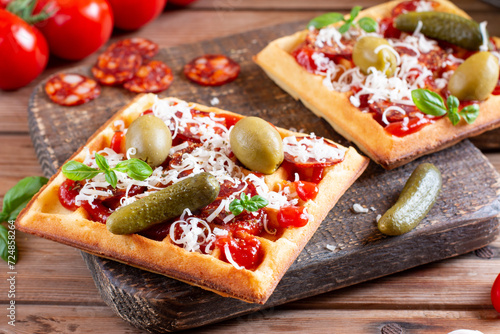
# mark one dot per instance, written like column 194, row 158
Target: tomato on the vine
column 495, row 294
column 133, row 14
column 23, row 52
column 77, row 28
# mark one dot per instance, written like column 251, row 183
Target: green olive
column 475, row 78
column 364, row 55
column 257, row 145
column 151, row 139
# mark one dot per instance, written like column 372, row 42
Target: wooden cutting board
column 463, row 219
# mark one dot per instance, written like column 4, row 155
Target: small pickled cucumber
column 443, row 26
column 191, row 193
column 415, row 201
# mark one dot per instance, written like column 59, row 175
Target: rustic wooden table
column 56, row 294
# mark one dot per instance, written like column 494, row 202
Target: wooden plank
column 91, row 319
column 17, row 160
column 44, row 278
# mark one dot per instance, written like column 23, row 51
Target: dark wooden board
column 464, row 218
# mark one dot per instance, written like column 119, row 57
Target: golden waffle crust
column 361, row 128
column 46, row 217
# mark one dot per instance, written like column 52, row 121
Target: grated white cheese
column 358, row 208
column 311, row 147
column 229, row 257
column 378, row 218
column 484, row 36
column 331, row 248
column 214, row 101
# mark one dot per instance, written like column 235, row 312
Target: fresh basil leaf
column 452, row 103
column 13, row 215
column 354, row 12
column 368, row 24
column 111, row 178
column 470, row 113
column 345, row 27
column 260, row 201
column 77, row 171
column 251, row 206
column 454, row 117
column 101, row 162
column 244, row 197
column 18, row 196
column 236, row 207
column 325, row 20
column 135, row 168
column 428, row 102
column 4, row 244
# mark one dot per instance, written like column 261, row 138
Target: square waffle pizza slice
column 364, row 77
column 239, row 244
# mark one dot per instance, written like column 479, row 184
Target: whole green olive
column 151, row 139
column 475, row 78
column 257, row 145
column 371, row 51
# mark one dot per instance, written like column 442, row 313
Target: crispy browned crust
column 46, row 217
column 360, row 128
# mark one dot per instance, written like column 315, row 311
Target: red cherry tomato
column 4, row 3
column 23, row 52
column 118, row 142
column 133, row 14
column 306, row 190
column 68, row 190
column 293, row 216
column 245, row 251
column 98, row 212
column 495, row 294
column 78, row 28
column 181, row 2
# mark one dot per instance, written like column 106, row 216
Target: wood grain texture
column 463, row 220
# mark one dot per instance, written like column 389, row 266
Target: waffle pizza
column 238, row 252
column 360, row 74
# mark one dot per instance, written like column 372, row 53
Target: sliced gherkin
column 415, row 201
column 191, row 193
column 448, row 27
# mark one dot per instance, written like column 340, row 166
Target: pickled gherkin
column 192, row 193
column 447, row 27
column 415, row 201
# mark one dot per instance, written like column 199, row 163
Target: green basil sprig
column 366, row 23
column 431, row 103
column 14, row 201
column 246, row 203
column 135, row 168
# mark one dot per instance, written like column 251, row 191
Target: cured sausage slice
column 145, row 47
column 212, row 70
column 152, row 77
column 71, row 89
column 117, row 65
